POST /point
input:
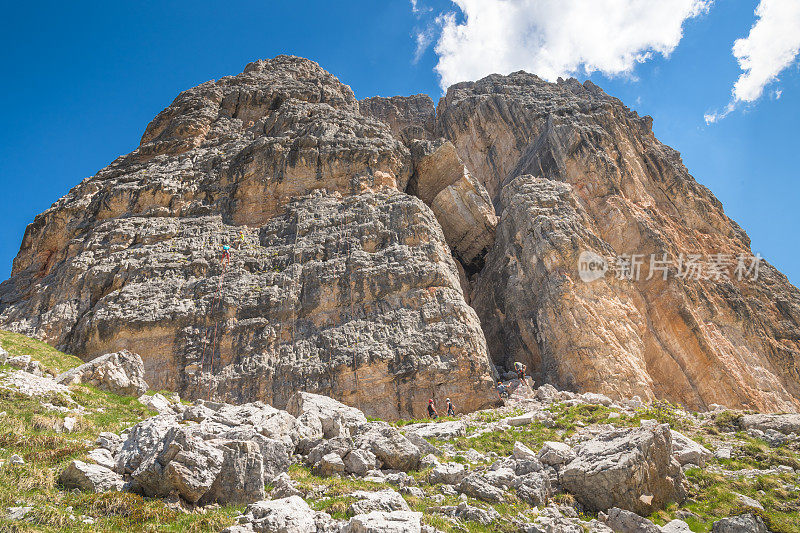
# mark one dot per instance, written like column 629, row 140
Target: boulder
column 596, row 399
column 274, row 453
column 441, row 430
column 632, row 469
column 286, row 515
column 391, row 447
column 551, row 520
column 329, row 465
column 521, row 420
column 676, row 526
column 745, row 523
column 181, row 463
column 103, row 457
column 332, row 414
column 502, row 478
column 118, row 372
column 283, row 487
column 622, row 521
column 164, row 457
column 383, row 522
column 789, row 423
column 429, row 461
column 476, row 486
column 547, row 393
column 523, row 453
column 686, row 451
column 241, row 476
column 555, row 453
column 534, row 488
column 424, row 446
column 158, row 403
column 448, row 473
column 340, row 446
column 386, row 500
column 90, row 477
column 142, row 441
column 267, row 420
column 359, row 462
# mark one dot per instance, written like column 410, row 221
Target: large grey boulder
column 676, row 526
column 789, row 423
column 329, row 465
column 90, row 477
column 555, row 453
column 534, row 488
column 359, row 462
column 286, row 515
column 341, row 446
column 745, row 523
column 441, row 430
column 160, row 404
column 164, row 457
column 274, row 453
column 386, row 500
column 622, row 521
column 118, row 372
column 383, row 522
column 267, row 420
column 686, row 451
column 390, row 446
column 142, row 441
column 476, row 486
column 241, row 476
column 182, row 462
column 631, row 468
column 333, row 415
column 448, row 473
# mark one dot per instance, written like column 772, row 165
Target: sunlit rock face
column 571, row 169
column 384, row 252
column 337, row 281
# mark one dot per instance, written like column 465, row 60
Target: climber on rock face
column 451, row 410
column 432, row 410
column 226, row 253
column 520, row 369
column 502, row 390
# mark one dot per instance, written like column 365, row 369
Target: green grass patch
column 50, row 358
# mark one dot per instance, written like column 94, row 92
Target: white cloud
column 424, row 40
column 553, row 38
column 778, row 93
column 771, row 46
column 418, row 9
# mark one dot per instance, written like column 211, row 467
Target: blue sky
column 83, row 79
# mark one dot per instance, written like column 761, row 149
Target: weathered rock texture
column 409, row 117
column 571, row 169
column 337, row 282
column 360, row 231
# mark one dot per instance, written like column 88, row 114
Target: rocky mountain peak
column 271, row 234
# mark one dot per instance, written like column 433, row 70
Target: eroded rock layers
column 383, row 251
column 337, row 281
column 571, row 169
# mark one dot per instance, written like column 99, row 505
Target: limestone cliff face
column 361, row 232
column 337, row 282
column 409, row 117
column 571, row 169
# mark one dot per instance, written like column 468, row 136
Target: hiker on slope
column 432, row 410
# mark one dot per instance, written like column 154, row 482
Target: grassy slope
column 31, row 431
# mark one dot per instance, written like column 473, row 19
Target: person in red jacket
column 432, row 410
